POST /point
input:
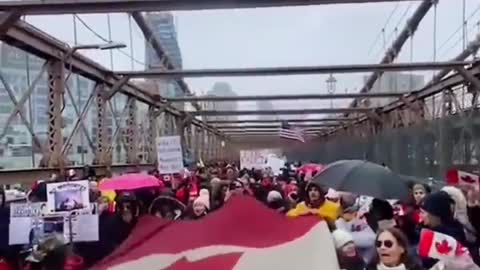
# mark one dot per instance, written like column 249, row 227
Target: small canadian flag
column 439, row 246
column 461, row 178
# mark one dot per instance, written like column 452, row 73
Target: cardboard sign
column 170, row 154
column 68, row 196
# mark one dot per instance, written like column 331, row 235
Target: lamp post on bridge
column 331, row 87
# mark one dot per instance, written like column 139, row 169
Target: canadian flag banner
column 439, row 246
column 242, row 235
column 457, row 177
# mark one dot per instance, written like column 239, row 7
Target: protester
column 354, row 223
column 316, row 204
column 392, row 252
column 362, row 235
column 437, row 215
column 348, row 257
column 201, row 205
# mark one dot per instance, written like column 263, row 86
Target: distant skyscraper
column 265, row 105
column 395, row 82
column 164, row 30
column 222, row 89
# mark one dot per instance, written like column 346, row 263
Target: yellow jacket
column 328, row 211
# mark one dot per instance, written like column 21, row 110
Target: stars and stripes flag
column 292, row 133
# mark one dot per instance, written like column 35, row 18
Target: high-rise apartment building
column 164, row 30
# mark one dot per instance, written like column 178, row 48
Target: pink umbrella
column 130, row 181
column 310, row 167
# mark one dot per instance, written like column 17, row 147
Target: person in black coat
column 437, row 215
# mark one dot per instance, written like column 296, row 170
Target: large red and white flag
column 461, row 178
column 243, row 235
column 439, row 246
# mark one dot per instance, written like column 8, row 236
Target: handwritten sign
column 257, row 159
column 170, row 154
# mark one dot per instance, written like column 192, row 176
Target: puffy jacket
column 328, row 211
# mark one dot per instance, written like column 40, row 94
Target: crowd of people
column 368, row 233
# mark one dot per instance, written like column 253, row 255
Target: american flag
column 291, row 133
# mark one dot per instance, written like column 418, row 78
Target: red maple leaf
column 443, row 247
column 220, row 262
column 468, row 179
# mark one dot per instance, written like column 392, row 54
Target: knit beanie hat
column 341, row 238
column 439, row 204
column 274, row 195
column 203, row 198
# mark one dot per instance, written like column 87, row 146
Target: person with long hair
column 392, row 252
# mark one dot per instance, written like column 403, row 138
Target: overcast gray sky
column 313, row 35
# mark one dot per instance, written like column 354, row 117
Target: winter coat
column 453, row 229
column 351, row 263
column 363, row 236
column 328, row 211
column 400, row 267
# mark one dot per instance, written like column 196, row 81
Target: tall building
column 394, row 82
column 222, row 89
column 265, row 105
column 164, row 30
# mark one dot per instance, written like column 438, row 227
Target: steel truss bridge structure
column 218, row 139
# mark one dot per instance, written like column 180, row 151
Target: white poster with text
column 170, row 155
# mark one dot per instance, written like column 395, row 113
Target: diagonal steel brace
column 80, row 119
column 22, row 100
column 107, row 95
column 79, row 122
column 20, row 112
column 469, row 77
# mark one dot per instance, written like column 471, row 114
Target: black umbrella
column 363, row 178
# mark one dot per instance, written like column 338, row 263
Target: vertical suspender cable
column 109, row 25
column 131, row 39
column 464, row 24
column 30, row 105
column 412, row 34
column 435, row 31
column 77, row 86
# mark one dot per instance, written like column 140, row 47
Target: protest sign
column 29, row 222
column 67, row 196
column 170, row 155
column 257, row 158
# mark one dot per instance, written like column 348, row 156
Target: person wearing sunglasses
column 392, row 252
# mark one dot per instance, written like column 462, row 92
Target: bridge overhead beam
column 44, row 7
column 225, row 128
column 260, row 121
column 283, row 97
column 282, row 112
column 283, row 71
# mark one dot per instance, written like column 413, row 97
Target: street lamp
column 331, row 87
column 106, row 46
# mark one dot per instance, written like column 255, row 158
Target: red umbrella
column 130, row 182
column 310, row 167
